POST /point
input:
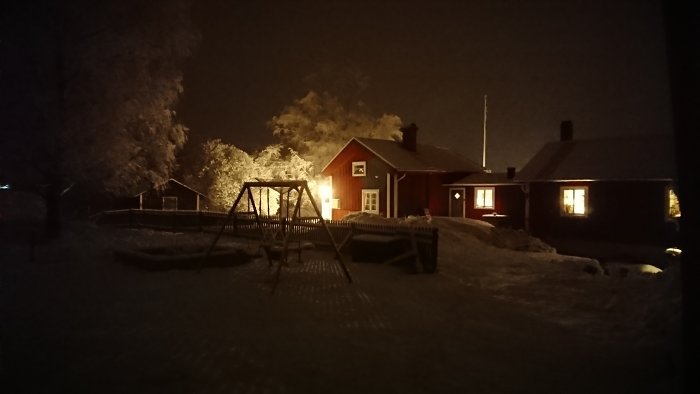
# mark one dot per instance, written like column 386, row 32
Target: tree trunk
column 53, row 211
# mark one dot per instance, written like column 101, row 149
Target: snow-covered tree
column 319, row 124
column 222, row 169
column 90, row 89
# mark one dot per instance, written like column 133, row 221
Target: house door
column 457, row 202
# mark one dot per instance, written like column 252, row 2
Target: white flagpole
column 483, row 160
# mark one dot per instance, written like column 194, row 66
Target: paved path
column 88, row 324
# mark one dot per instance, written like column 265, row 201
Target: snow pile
column 518, row 240
column 616, row 301
column 505, row 238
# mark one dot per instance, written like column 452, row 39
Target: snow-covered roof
column 643, row 157
column 426, row 158
column 484, row 178
column 177, row 182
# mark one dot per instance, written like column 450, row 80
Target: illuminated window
column 169, row 203
column 370, row 200
column 359, row 168
column 483, row 197
column 673, row 207
column 574, row 201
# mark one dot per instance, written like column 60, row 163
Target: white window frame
column 562, row 206
column 169, row 198
column 670, row 191
column 359, row 164
column 366, row 192
column 477, row 204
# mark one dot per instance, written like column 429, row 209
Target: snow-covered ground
column 618, row 301
column 626, row 306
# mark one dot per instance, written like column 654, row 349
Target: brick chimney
column 510, row 172
column 409, row 139
column 567, row 130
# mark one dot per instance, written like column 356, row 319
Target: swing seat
column 275, row 251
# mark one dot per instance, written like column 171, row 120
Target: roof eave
column 423, row 171
column 179, row 183
column 597, row 180
column 482, row 184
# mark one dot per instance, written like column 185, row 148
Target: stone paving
column 89, row 324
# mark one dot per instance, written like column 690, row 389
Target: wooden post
column 235, row 225
column 328, row 231
column 435, row 246
column 223, row 226
column 414, row 245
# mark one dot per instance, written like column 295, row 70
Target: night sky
column 601, row 64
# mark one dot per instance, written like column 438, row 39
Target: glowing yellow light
column 326, row 193
column 575, row 201
column 674, row 207
column 484, row 197
column 675, row 252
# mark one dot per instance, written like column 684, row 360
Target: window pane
column 358, row 168
column 488, row 198
column 574, row 201
column 483, row 197
column 369, row 201
column 580, row 201
column 568, row 201
column 674, row 207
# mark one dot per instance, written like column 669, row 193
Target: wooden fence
column 243, row 224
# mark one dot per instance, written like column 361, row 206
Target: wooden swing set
column 279, row 235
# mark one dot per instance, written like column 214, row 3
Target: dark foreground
column 76, row 321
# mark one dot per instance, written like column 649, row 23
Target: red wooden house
column 614, row 190
column 394, row 178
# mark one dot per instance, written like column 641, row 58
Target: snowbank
column 616, row 301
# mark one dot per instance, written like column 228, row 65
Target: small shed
column 172, row 195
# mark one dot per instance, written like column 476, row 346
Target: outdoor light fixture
column 675, row 252
column 5, row 186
